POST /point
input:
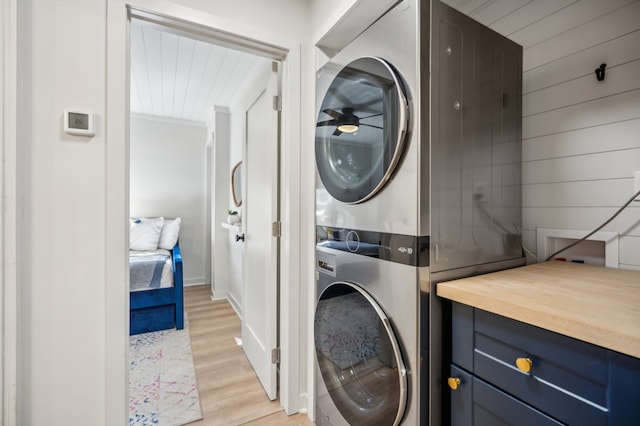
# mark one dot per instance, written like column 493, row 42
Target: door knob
column 239, row 237
column 454, row 382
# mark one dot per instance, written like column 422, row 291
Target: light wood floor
column 230, row 393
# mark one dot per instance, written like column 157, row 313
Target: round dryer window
column 359, row 357
column 361, row 129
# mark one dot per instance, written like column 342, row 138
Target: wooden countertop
column 591, row 303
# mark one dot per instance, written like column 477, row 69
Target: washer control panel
column 406, row 249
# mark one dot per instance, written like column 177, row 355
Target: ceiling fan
column 345, row 122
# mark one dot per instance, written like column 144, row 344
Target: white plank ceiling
column 177, row 77
column 532, row 22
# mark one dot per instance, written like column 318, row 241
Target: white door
column 259, row 299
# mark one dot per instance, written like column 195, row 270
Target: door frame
column 9, row 122
column 117, row 193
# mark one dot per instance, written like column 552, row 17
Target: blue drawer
column 477, row 403
column 569, row 379
column 145, row 320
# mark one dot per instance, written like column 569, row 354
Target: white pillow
column 170, row 233
column 144, row 233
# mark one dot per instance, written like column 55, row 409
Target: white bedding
column 166, row 279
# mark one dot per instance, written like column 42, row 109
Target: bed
column 155, row 276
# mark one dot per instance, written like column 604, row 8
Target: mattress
column 150, row 269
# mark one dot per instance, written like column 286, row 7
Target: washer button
column 353, row 241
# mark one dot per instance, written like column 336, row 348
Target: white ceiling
column 178, row 77
column 515, row 19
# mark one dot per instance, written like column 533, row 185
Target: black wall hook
column 600, row 72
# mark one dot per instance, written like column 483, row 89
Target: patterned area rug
column 162, row 379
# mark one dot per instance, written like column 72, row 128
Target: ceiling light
column 348, row 123
column 348, row 128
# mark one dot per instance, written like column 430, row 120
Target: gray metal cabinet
column 476, row 147
column 507, row 372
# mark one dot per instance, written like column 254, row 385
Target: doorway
column 177, row 80
column 117, row 158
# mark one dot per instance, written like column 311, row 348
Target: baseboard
column 194, row 281
column 219, row 295
column 235, row 305
column 303, row 403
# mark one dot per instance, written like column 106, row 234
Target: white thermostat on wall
column 78, row 122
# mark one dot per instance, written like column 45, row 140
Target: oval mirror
column 236, row 184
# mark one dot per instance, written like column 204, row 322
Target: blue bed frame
column 159, row 309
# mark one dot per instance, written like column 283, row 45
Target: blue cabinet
column 476, row 402
column 507, row 372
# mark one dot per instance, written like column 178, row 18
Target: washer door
column 361, row 129
column 359, row 357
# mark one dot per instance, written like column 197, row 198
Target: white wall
column 167, row 178
column 221, row 184
column 62, row 262
column 67, row 355
column 235, row 249
column 64, row 362
column 581, row 137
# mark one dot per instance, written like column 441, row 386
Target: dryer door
column 359, row 357
column 361, row 129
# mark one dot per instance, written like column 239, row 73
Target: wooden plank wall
column 581, row 137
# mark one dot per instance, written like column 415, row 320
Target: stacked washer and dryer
column 418, row 155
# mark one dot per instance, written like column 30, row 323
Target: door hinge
column 277, row 103
column 276, row 229
column 275, row 356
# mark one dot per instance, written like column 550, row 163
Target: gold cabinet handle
column 524, row 364
column 453, row 382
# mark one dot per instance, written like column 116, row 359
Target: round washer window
column 359, row 357
column 360, row 130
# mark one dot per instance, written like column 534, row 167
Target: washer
column 418, row 155
column 366, row 337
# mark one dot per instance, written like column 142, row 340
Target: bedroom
column 86, row 171
column 182, row 88
column 190, row 97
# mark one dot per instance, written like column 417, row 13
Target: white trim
column 159, row 119
column 116, row 215
column 117, row 195
column 292, row 357
column 9, row 349
column 225, row 295
column 235, row 305
column 220, row 295
column 190, row 282
column 346, row 22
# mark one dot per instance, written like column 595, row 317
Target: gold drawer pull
column 524, row 364
column 453, row 382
